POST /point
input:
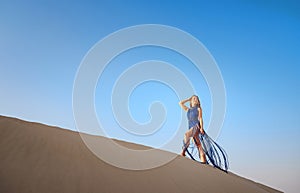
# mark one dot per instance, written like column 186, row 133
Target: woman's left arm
column 200, row 120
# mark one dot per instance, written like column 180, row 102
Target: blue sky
column 255, row 44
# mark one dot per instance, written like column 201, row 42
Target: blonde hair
column 199, row 104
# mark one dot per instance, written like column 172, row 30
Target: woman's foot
column 182, row 153
column 203, row 159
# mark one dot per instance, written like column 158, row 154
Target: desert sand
column 38, row 158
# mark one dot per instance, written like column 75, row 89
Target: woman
column 209, row 151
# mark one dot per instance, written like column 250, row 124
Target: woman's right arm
column 182, row 105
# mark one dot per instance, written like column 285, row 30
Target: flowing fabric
column 215, row 154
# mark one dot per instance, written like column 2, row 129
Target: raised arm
column 182, row 105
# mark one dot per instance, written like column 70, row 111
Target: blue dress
column 192, row 116
column 215, row 154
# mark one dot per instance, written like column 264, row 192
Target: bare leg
column 187, row 138
column 200, row 149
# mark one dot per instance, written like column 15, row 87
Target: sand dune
column 38, row 158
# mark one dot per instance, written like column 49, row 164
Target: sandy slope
column 39, row 158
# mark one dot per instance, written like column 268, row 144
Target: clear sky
column 255, row 44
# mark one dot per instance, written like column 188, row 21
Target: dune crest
column 40, row 158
